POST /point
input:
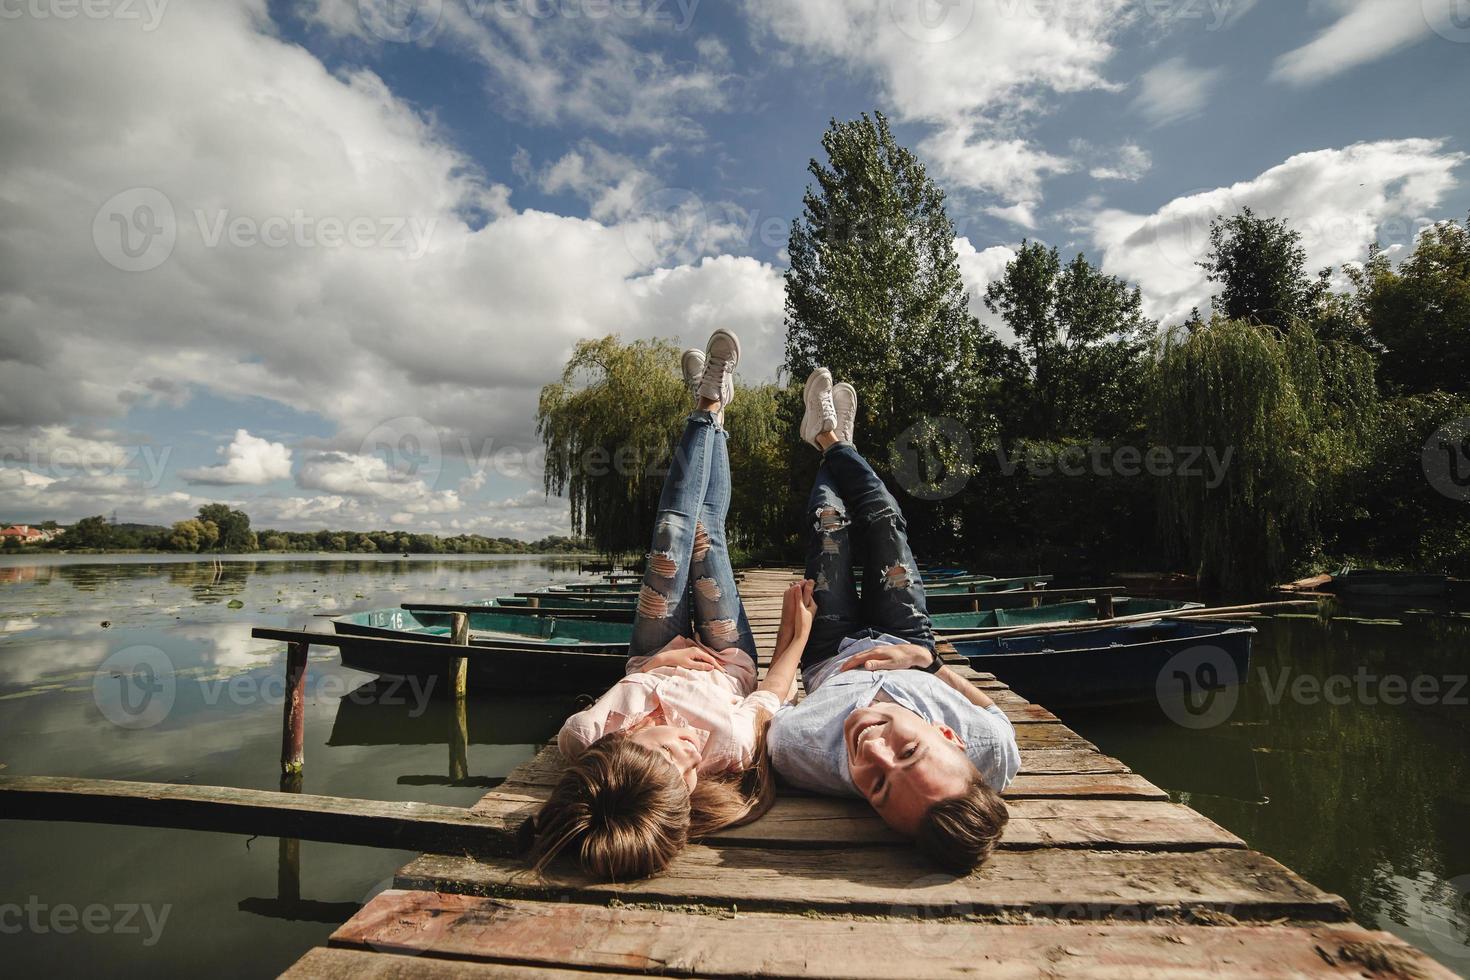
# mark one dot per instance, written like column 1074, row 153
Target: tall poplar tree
column 874, row 293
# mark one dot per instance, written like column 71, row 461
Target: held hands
column 681, row 651
column 898, row 656
column 798, row 609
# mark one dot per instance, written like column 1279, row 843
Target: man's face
column 903, row 764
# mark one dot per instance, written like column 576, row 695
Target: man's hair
column 959, row 833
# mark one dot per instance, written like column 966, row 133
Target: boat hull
column 1109, row 665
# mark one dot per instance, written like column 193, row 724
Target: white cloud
column 554, row 67
column 1365, row 31
column 244, row 126
column 1022, row 214
column 1126, row 162
column 249, row 461
column 1012, row 169
column 978, row 269
column 1174, row 90
column 991, row 65
column 1338, row 199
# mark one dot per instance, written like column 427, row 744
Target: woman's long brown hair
column 626, row 812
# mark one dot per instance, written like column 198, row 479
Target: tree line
column 218, row 528
column 1287, row 430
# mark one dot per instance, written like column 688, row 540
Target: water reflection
column 1331, row 764
column 248, row 906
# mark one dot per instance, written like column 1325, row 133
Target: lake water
column 1359, row 784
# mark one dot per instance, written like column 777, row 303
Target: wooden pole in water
column 459, row 666
column 293, row 726
column 459, row 684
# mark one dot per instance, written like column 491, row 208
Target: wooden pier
column 1099, row 874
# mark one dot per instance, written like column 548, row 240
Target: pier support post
column 293, row 725
column 459, row 667
column 1105, row 605
column 459, row 730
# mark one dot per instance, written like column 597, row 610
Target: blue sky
column 316, row 260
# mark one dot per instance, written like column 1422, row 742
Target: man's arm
column 966, row 687
column 901, row 656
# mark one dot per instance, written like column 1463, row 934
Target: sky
column 316, row 259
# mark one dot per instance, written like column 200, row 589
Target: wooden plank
column 825, row 822
column 666, row 942
column 1050, row 776
column 1055, row 883
column 351, row 964
column 226, row 809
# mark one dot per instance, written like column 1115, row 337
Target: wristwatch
column 934, row 664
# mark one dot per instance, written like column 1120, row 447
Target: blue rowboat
column 1112, row 664
column 1056, row 612
column 492, row 628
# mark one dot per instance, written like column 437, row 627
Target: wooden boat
column 1107, row 664
column 1055, row 612
column 496, row 626
column 1158, row 583
column 1389, row 584
column 495, row 665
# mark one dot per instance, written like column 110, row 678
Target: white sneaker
column 717, row 382
column 692, row 365
column 821, row 414
column 844, row 400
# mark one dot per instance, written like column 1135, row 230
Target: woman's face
column 676, row 743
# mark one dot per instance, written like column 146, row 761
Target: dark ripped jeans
column 853, row 513
column 689, row 562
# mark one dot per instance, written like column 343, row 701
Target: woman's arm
column 797, row 612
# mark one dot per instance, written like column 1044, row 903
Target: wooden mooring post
column 293, row 725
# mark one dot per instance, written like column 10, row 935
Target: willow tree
column 609, row 427
column 1291, row 412
column 874, row 292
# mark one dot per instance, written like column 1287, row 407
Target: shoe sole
column 843, row 385
column 734, row 342
column 813, row 379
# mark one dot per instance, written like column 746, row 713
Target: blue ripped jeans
column 689, row 562
column 853, row 514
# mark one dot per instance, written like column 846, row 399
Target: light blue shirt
column 806, row 740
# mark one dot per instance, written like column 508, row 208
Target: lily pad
column 236, row 604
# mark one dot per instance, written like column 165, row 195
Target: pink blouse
column 720, row 704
